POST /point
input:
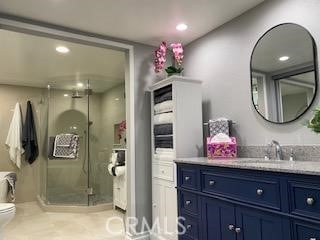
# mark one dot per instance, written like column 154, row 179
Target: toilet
column 7, row 212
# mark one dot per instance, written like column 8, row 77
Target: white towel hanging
column 14, row 137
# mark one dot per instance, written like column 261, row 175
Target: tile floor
column 31, row 223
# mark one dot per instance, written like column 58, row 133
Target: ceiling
column 29, row 60
column 286, row 40
column 144, row 21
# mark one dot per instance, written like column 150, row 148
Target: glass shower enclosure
column 82, row 180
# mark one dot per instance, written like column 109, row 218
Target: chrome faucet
column 279, row 155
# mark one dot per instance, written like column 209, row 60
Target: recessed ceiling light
column 66, row 95
column 284, row 58
column 62, row 49
column 80, row 84
column 181, row 27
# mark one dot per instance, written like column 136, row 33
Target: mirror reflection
column 284, row 73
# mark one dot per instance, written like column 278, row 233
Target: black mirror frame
column 315, row 62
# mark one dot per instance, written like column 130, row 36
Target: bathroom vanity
column 249, row 199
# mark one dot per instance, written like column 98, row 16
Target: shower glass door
column 68, row 177
column 91, row 109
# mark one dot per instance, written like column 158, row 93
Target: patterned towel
column 66, row 146
column 220, row 125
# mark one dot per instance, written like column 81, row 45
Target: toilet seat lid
column 6, row 207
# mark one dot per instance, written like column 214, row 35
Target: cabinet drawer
column 189, row 202
column 305, row 199
column 264, row 192
column 188, row 178
column 163, row 171
column 191, row 226
column 306, row 232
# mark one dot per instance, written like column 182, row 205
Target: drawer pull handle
column 313, row 239
column 188, row 202
column 310, row 201
column 187, row 178
column 238, row 230
column 162, row 171
column 259, row 192
column 189, row 227
column 231, row 227
column 211, row 182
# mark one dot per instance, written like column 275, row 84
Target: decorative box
column 222, row 149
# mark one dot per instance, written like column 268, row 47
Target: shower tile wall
column 28, row 183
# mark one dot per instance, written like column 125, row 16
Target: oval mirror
column 284, row 73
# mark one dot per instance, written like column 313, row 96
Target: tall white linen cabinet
column 176, row 122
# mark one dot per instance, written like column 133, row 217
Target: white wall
column 144, row 77
column 222, row 60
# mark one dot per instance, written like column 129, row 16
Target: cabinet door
column 170, row 212
column 156, row 203
column 306, row 231
column 259, row 225
column 164, row 212
column 218, row 220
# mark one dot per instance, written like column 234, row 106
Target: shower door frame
column 17, row 24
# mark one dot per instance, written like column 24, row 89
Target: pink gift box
column 222, row 149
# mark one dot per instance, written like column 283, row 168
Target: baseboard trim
column 138, row 236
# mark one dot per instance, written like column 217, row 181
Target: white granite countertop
column 297, row 167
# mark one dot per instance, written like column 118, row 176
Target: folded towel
column 164, row 154
column 164, row 151
column 66, row 146
column 163, row 90
column 163, row 118
column 163, row 129
column 165, row 97
column 14, row 137
column 121, row 157
column 163, row 157
column 220, row 125
column 11, row 177
column 165, row 106
column 164, row 142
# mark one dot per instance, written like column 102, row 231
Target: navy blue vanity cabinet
column 306, row 231
column 220, row 203
column 218, row 220
column 223, row 221
column 259, row 225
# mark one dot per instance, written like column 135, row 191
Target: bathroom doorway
column 80, row 94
